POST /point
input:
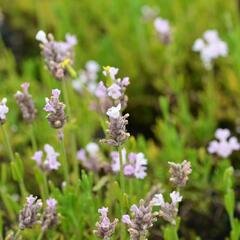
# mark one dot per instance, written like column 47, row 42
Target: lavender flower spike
column 58, row 55
column 26, row 104
column 55, row 109
column 50, row 215
column 104, row 227
column 142, row 221
column 117, row 133
column 3, row 110
column 163, row 30
column 179, row 173
column 168, row 211
column 29, row 215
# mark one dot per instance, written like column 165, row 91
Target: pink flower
column 114, row 91
column 31, row 199
column 224, row 145
column 38, row 157
column 126, row 219
column 134, row 165
column 125, row 81
column 81, row 155
column 71, row 39
column 101, row 90
column 3, row 110
column 51, row 202
column 50, row 163
column 110, row 71
column 210, row 47
column 162, row 25
column 25, row 87
column 114, row 112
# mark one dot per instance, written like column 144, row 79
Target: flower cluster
column 179, row 173
column 58, row 55
column 210, row 47
column 26, row 104
column 3, row 110
column 55, row 110
column 104, row 227
column 168, row 211
column 50, row 163
column 90, row 158
column 31, row 213
column 87, row 78
column 224, row 145
column 163, row 29
column 117, row 133
column 134, row 165
column 142, row 220
column 113, row 94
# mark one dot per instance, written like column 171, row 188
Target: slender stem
column 175, row 233
column 17, row 234
column 7, row 143
column 66, row 98
column 130, row 181
column 64, row 161
column 73, row 153
column 23, row 189
column 71, row 71
column 45, row 185
column 40, row 236
column 33, row 138
column 122, row 185
column 72, row 135
column 103, row 125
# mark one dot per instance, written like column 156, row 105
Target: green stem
column 64, row 161
column 71, row 71
column 23, row 189
column 33, row 138
column 103, row 125
column 17, row 234
column 40, row 236
column 122, row 186
column 122, row 183
column 175, row 233
column 72, row 135
column 7, row 143
column 45, row 185
column 73, row 153
column 66, row 98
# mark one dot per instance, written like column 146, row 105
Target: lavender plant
column 74, row 180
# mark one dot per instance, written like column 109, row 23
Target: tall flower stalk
column 117, row 135
column 27, row 107
column 56, row 118
column 7, row 143
column 72, row 135
column 122, row 186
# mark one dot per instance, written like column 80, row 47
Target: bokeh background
column 175, row 104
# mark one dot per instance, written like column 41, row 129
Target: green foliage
column 175, row 106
